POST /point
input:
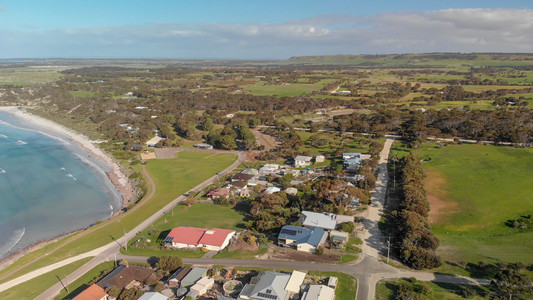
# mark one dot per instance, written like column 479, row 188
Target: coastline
column 115, row 175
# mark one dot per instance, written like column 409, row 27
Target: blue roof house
column 302, row 238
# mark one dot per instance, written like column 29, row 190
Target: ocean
column 49, row 186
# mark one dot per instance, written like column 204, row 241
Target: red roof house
column 190, row 237
column 94, row 292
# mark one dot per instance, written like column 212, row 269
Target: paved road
column 108, row 251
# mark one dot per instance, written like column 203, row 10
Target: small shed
column 320, row 158
column 339, row 236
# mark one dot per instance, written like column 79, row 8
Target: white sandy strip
column 82, row 140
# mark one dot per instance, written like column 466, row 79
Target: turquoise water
column 48, row 186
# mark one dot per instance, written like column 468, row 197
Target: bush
column 348, row 227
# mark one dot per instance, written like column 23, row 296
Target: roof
column 303, row 158
column 322, row 220
column 153, row 296
column 180, row 273
column 302, row 235
column 185, row 235
column 220, row 192
column 94, row 292
column 319, row 292
column 295, row 281
column 123, row 275
column 242, row 177
column 215, row 236
column 351, row 154
column 250, row 172
column 239, row 184
column 271, row 286
column 193, row 276
column 339, row 233
column 272, row 189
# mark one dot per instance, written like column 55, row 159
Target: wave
column 2, row 171
column 62, row 169
column 21, row 142
column 40, row 130
column 12, row 241
column 3, row 136
column 71, row 176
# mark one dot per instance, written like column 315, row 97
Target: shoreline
column 115, row 175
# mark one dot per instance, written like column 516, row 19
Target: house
column 153, row 296
column 347, row 155
column 214, row 239
column 271, row 286
column 319, row 292
column 241, row 177
column 239, row 185
column 175, row 279
column 301, row 238
column 203, row 285
column 295, row 281
column 253, row 172
column 272, row 190
column 203, row 146
column 218, row 192
column 301, row 161
column 339, row 236
column 94, row 292
column 267, row 169
column 325, row 221
column 320, row 158
column 125, row 276
column 193, row 276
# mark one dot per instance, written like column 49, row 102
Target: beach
column 82, row 149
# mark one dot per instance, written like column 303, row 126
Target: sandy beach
column 115, row 174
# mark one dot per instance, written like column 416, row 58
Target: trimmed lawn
column 173, row 177
column 385, row 290
column 241, row 254
column 33, row 288
column 477, row 189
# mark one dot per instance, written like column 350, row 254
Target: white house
column 203, row 285
column 301, row 161
column 214, row 239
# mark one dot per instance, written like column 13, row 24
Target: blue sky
column 260, row 29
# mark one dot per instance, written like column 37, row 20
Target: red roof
column 215, row 236
column 196, row 236
column 186, row 235
column 93, row 292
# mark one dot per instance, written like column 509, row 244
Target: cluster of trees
column 417, row 244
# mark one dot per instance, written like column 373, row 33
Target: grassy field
column 385, row 290
column 33, row 288
column 474, row 190
column 173, row 177
column 28, row 76
column 198, row 215
column 287, row 89
column 86, row 280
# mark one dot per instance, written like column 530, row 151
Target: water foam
column 12, row 241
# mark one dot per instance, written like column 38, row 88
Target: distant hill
column 418, row 60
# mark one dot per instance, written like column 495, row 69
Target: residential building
column 302, row 238
column 93, row 292
column 272, row 190
column 295, row 281
column 218, row 193
column 271, row 286
column 214, row 239
column 291, row 191
column 301, row 161
column 319, row 292
column 193, row 276
column 320, row 158
column 174, row 280
column 339, row 237
column 325, row 220
column 203, row 285
column 153, row 296
column 125, row 277
column 241, row 177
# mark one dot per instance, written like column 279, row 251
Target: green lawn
column 482, row 187
column 33, row 288
column 385, row 290
column 346, row 287
column 198, row 215
column 173, row 177
column 286, row 89
column 86, row 280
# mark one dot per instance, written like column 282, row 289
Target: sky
column 248, row 29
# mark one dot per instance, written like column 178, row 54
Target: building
column 203, row 146
column 272, row 190
column 302, row 238
column 174, row 280
column 94, row 292
column 125, row 277
column 153, row 296
column 291, row 191
column 241, row 177
column 218, row 192
column 271, row 286
column 325, row 221
column 339, row 237
column 301, row 161
column 214, row 239
column 319, row 292
column 320, row 158
column 295, row 282
column 203, row 285
column 267, row 169
column 193, row 276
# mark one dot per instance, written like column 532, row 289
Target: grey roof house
column 302, row 238
column 271, row 286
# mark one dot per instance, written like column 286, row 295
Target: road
column 107, row 252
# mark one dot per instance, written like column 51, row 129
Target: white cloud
column 456, row 30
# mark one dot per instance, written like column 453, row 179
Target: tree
column 207, row 124
column 348, row 227
column 512, row 282
column 169, row 263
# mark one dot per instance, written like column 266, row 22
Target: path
column 108, row 251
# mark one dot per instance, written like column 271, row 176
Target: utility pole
column 115, row 260
column 388, row 249
column 125, row 240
